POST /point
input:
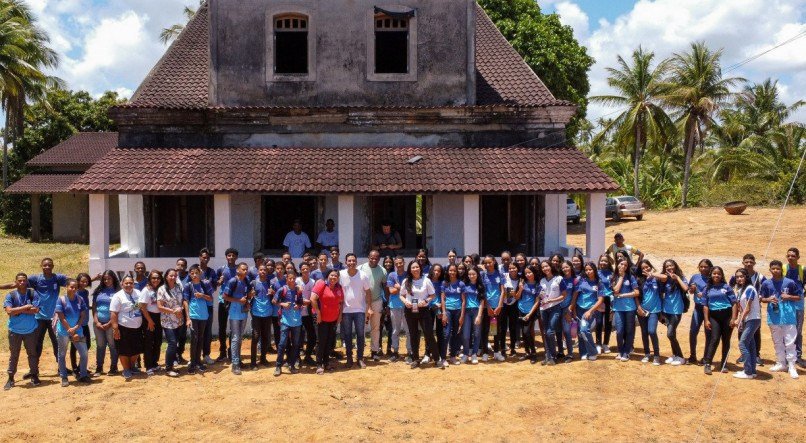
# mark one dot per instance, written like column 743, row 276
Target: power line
column 754, row 57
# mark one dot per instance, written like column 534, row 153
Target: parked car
column 573, row 211
column 624, row 206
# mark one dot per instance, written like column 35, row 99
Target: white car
column 573, row 211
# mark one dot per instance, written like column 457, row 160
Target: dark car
column 624, row 206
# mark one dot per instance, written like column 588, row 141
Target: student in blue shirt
column 494, row 302
column 84, row 282
column 474, row 306
column 71, row 311
column 322, row 270
column 195, row 296
column 585, row 305
column 625, row 291
column 453, row 309
column 749, row 322
column 289, row 301
column 782, row 295
column 796, row 273
column 21, row 305
column 140, row 276
column 649, row 310
column 386, row 318
column 552, row 293
column 605, row 326
column 569, row 280
column 102, row 322
column 261, row 316
column 224, row 275
column 578, row 262
column 526, row 296
column 436, row 277
column 276, row 281
column 755, row 279
column 209, row 277
column 675, row 290
column 258, row 258
column 236, row 292
column 721, row 311
column 696, row 287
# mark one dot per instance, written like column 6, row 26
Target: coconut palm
column 697, row 90
column 639, row 88
column 168, row 34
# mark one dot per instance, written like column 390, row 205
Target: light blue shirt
column 48, row 291
column 197, row 307
column 291, row 316
column 588, row 293
column 471, row 296
column 699, row 281
column 650, row 296
column 23, row 323
column 528, row 297
column 492, row 286
column 261, row 302
column 720, row 297
column 785, row 314
column 673, row 297
column 236, row 288
column 626, row 304
column 391, row 280
column 102, row 302
column 453, row 295
column 72, row 310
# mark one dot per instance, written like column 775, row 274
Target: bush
column 754, row 192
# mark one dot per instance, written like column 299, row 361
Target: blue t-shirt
column 567, row 284
column 588, row 293
column 24, row 323
column 85, row 295
column 453, row 295
column 317, row 274
column 673, row 296
column 276, row 284
column 650, row 296
column 492, row 287
column 626, row 304
column 785, row 314
column 471, row 296
column 261, row 302
column 236, row 288
column 437, row 301
column 102, row 301
column 794, row 275
column 720, row 297
column 700, row 282
column 72, row 310
column 528, row 297
column 391, row 280
column 604, row 279
column 228, row 273
column 48, row 291
column 197, row 307
column 291, row 316
column 139, row 285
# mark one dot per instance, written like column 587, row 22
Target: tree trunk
column 636, row 160
column 5, row 155
column 689, row 150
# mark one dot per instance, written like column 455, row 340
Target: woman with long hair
column 749, row 322
column 416, row 293
column 436, row 276
column 152, row 324
column 625, row 291
column 84, row 281
column 305, row 283
column 508, row 320
column 551, row 295
column 569, row 281
column 127, row 322
column 675, row 289
column 453, row 312
column 578, row 262
column 605, row 271
column 696, row 287
column 649, row 310
column 327, row 300
column 102, row 322
column 453, row 258
column 474, row 305
column 196, row 294
column 172, row 317
column 424, row 261
column 526, row 295
column 588, row 297
column 493, row 289
column 720, row 311
column 386, row 316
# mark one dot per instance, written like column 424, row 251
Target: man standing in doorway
column 357, row 309
column 377, row 279
column 296, row 241
column 387, row 242
column 327, row 238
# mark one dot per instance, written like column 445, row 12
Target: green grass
column 20, row 255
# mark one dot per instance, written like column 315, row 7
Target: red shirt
column 329, row 300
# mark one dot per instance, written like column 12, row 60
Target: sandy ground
column 511, row 401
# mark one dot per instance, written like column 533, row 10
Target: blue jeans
column 236, row 328
column 697, row 319
column 81, row 346
column 551, row 318
column 453, row 335
column 287, row 333
column 353, row 321
column 649, row 331
column 799, row 339
column 747, row 345
column 171, row 336
column 102, row 340
column 587, row 345
column 625, row 331
column 566, row 331
column 469, row 327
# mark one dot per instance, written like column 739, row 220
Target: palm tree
column 173, row 31
column 696, row 89
column 639, row 87
column 24, row 55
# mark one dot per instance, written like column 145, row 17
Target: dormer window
column 391, row 44
column 291, row 44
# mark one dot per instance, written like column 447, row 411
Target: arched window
column 291, row 44
column 391, row 44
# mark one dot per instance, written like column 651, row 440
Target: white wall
column 555, row 223
column 447, row 224
column 71, row 218
column 245, row 217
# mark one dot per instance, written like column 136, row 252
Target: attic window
column 291, row 44
column 391, row 44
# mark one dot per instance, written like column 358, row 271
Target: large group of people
column 297, row 311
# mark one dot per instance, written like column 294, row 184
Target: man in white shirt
column 357, row 309
column 327, row 238
column 296, row 241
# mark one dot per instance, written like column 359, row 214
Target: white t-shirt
column 355, row 287
column 296, row 243
column 128, row 308
column 750, row 295
column 421, row 289
column 306, row 291
column 328, row 239
column 550, row 289
column 149, row 296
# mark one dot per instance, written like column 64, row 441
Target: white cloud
column 572, row 15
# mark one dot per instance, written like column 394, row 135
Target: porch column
column 222, row 209
column 595, row 225
column 132, row 224
column 555, row 223
column 36, row 229
column 471, row 220
column 99, row 232
column 346, row 224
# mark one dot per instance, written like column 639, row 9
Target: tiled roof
column 343, row 170
column 83, row 148
column 181, row 78
column 43, row 184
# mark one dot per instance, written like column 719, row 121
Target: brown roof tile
column 343, row 170
column 43, row 184
column 82, row 149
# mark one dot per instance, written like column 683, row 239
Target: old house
column 265, row 111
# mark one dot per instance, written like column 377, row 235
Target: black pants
column 326, row 332
column 439, row 332
column 152, row 342
column 15, row 344
column 310, row 334
column 424, row 320
column 528, row 334
column 275, row 328
column 484, row 343
column 697, row 318
column 605, row 325
column 45, row 327
column 720, row 328
column 208, row 332
column 386, row 322
column 509, row 319
column 223, row 316
column 197, row 341
column 672, row 321
column 260, row 333
column 181, row 339
column 74, row 351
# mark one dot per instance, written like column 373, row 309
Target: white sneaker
column 778, row 367
column 452, row 361
column 484, row 357
column 499, row 357
column 625, row 358
column 208, row 361
column 584, row 357
column 677, row 361
column 793, row 372
column 172, row 374
column 425, row 360
column 606, row 349
column 445, row 363
column 645, row 359
column 591, row 358
column 463, row 359
column 475, row 359
column 598, row 349
column 670, row 360
column 742, row 375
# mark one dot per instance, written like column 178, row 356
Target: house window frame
column 410, row 76
column 274, row 13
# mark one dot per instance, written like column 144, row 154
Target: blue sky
column 112, row 44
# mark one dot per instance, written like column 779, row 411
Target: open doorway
column 512, row 222
column 279, row 213
column 402, row 212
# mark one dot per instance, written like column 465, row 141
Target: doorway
column 279, row 213
column 513, row 223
